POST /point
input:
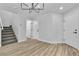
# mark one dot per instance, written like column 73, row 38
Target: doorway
column 32, row 30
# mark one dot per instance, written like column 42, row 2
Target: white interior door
column 71, row 33
column 28, row 28
column 35, row 30
column 32, row 29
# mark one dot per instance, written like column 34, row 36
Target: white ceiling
column 49, row 8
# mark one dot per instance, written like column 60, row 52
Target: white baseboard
column 51, row 42
column 72, row 45
column 0, row 44
column 21, row 40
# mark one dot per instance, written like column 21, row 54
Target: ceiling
column 49, row 8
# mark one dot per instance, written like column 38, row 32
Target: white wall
column 6, row 17
column 51, row 28
column 19, row 26
column 15, row 25
column 22, row 28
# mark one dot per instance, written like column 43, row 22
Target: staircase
column 8, row 36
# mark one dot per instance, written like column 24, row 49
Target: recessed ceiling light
column 61, row 8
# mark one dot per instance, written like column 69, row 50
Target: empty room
column 39, row 29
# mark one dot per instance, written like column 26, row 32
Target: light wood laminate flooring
column 33, row 47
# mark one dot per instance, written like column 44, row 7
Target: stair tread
column 9, row 38
column 7, row 30
column 6, row 27
column 8, row 42
column 8, row 35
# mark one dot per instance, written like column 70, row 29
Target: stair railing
column 1, row 28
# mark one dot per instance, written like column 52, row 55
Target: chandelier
column 32, row 7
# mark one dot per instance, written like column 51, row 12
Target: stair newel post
column 0, row 37
column 0, row 31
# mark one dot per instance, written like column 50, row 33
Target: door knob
column 75, row 29
column 75, row 32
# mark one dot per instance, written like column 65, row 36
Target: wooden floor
column 33, row 47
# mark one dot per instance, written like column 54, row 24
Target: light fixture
column 32, row 7
column 61, row 8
